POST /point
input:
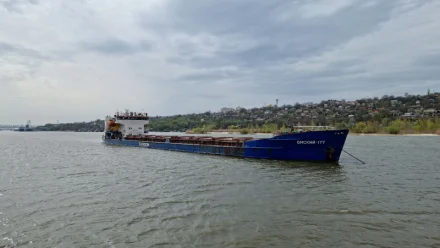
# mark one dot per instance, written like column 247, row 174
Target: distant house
column 418, row 111
column 409, row 115
column 394, row 102
column 395, row 112
column 430, row 112
column 308, row 104
column 238, row 108
column 226, row 110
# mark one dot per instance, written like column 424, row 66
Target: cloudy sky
column 79, row 60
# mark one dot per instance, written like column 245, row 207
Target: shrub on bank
column 399, row 126
column 393, row 130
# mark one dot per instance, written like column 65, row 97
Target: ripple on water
column 69, row 190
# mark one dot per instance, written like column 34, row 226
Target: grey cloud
column 431, row 60
column 16, row 5
column 337, row 78
column 207, row 54
column 204, row 95
column 415, row 76
column 210, row 75
column 7, row 48
column 341, row 82
column 28, row 56
column 116, row 46
column 278, row 44
column 211, row 16
column 346, row 63
column 270, row 40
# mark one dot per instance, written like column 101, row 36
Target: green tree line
column 385, row 125
column 399, row 126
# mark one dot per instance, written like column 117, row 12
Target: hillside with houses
column 408, row 113
column 340, row 113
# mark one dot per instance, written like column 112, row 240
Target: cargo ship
column 315, row 144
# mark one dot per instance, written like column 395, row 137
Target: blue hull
column 325, row 146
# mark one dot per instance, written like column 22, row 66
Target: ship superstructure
column 127, row 123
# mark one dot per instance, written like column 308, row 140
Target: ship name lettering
column 310, row 142
column 144, row 144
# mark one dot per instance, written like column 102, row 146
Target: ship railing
column 314, row 127
column 137, row 117
column 299, row 129
column 196, row 140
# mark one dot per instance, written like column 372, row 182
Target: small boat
column 303, row 143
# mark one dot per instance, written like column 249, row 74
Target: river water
column 70, row 190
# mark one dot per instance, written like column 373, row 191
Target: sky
column 80, row 60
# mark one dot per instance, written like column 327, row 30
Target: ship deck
column 195, row 140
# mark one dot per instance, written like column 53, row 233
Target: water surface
column 70, row 190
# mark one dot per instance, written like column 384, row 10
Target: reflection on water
column 70, row 190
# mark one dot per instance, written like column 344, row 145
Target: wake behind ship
column 326, row 144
